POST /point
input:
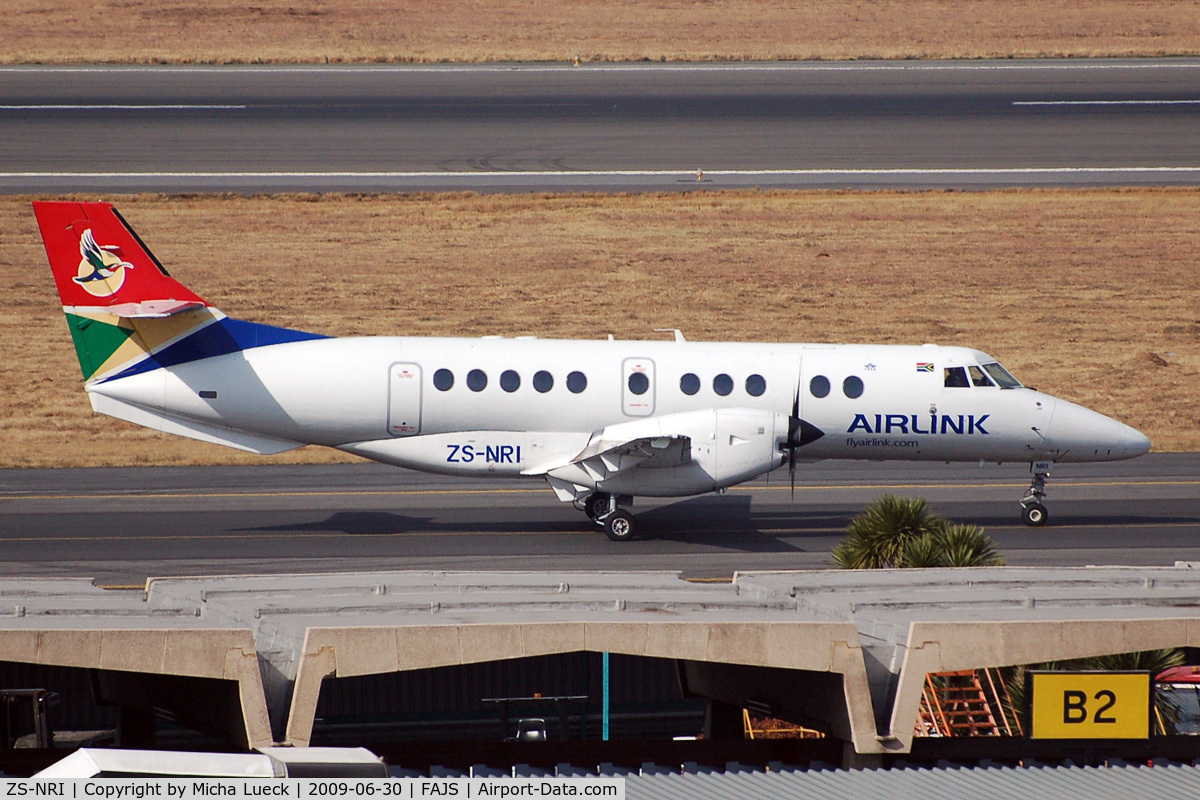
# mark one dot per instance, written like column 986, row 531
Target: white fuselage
column 384, row 398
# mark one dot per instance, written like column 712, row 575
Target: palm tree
column 958, row 545
column 923, row 551
column 878, row 537
column 902, row 532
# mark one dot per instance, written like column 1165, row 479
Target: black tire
column 620, row 526
column 595, row 505
column 1034, row 515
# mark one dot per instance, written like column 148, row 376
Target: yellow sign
column 1089, row 705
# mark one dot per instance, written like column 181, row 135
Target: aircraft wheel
column 620, row 526
column 596, row 505
column 1034, row 515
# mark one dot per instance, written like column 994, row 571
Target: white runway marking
column 120, row 107
column 1106, row 103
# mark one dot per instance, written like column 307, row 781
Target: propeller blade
column 792, row 472
column 793, row 440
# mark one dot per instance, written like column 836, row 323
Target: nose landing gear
column 1033, row 511
column 618, row 523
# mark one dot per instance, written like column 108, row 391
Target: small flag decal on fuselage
column 924, row 366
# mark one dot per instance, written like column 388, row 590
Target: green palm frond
column 924, row 551
column 877, row 538
column 965, row 546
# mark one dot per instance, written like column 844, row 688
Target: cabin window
column 476, row 380
column 853, row 387
column 978, row 378
column 510, row 381
column 638, row 382
column 1001, row 376
column 956, row 378
column 723, row 385
column 443, row 379
column 576, row 382
column 756, row 385
column 819, row 386
column 689, row 383
column 543, row 381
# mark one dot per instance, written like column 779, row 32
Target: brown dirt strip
column 1090, row 295
column 317, row 31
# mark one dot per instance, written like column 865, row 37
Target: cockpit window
column 1000, row 376
column 978, row 378
column 956, row 378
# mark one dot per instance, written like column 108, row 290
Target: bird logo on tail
column 101, row 273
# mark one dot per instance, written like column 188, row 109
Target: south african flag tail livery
column 128, row 317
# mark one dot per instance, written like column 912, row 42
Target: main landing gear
column 603, row 509
column 1033, row 511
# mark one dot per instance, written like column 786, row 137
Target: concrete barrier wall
column 881, row 632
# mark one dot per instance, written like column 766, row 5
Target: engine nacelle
column 727, row 446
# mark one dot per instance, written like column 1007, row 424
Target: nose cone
column 1135, row 442
column 1080, row 434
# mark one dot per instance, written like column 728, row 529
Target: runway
column 124, row 525
column 972, row 124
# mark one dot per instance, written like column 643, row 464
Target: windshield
column 1000, row 376
column 977, row 377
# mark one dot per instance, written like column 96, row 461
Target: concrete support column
column 146, row 667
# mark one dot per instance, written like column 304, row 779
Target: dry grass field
column 219, row 31
column 1090, row 295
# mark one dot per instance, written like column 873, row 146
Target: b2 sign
column 1089, row 705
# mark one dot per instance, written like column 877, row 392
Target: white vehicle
column 600, row 421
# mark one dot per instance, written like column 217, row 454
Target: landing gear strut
column 618, row 523
column 1033, row 511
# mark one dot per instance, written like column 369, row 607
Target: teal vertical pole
column 604, row 700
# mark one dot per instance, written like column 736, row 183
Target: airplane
column 601, row 421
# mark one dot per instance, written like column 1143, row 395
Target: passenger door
column 404, row 399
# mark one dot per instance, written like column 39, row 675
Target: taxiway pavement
column 124, row 525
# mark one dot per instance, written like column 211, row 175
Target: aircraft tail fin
column 99, row 262
column 125, row 312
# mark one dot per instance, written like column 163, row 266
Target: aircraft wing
column 603, row 458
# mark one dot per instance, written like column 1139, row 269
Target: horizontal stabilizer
column 147, row 309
